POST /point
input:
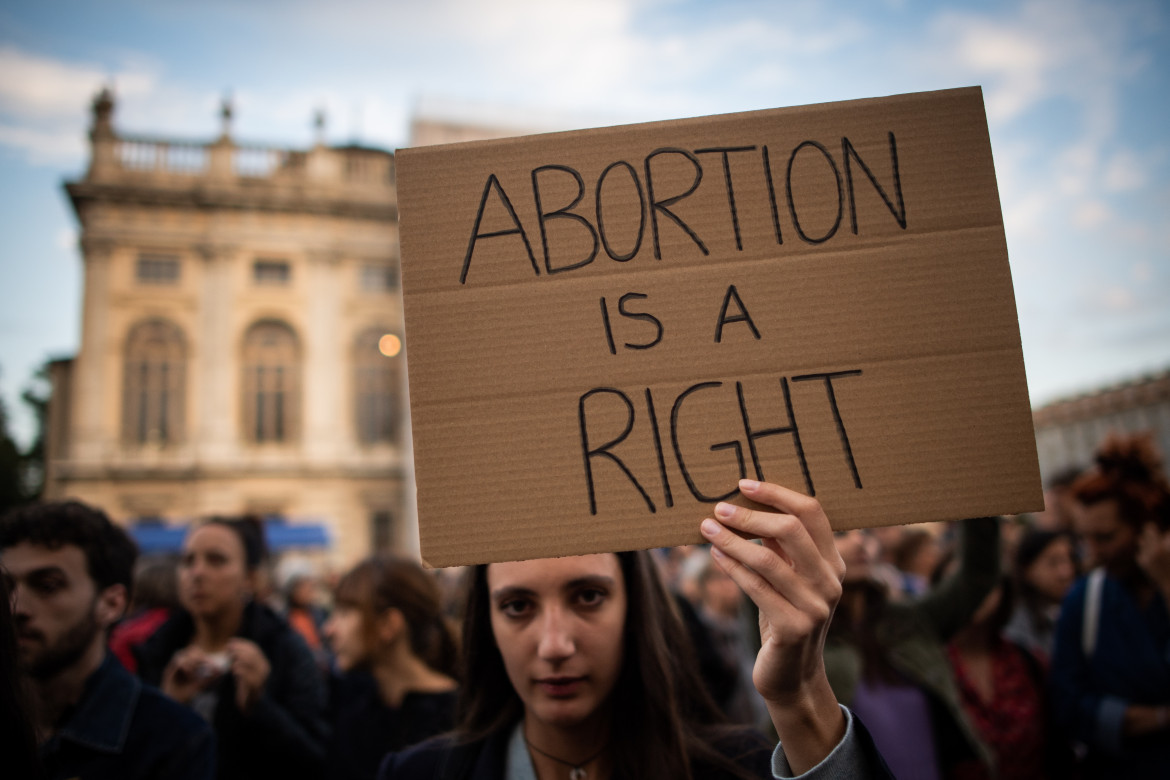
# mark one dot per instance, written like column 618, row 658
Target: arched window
column 272, row 383
column 377, row 376
column 153, row 383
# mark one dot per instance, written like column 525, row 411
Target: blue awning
column 153, row 538
column 279, row 534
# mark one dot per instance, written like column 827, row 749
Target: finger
column 789, row 622
column 806, row 588
column 789, row 532
column 790, row 502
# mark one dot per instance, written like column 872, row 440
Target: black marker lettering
column 792, row 203
column 724, row 151
column 641, row 212
column 661, row 205
column 772, row 196
column 743, row 315
column 494, row 183
column 841, row 434
column 603, row 450
column 608, row 329
column 561, row 213
column 633, row 315
column 792, row 428
column 658, row 449
column 848, row 151
column 730, row 445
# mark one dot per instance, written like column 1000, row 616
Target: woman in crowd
column 236, row 662
column 1002, row 688
column 578, row 667
column 887, row 660
column 1110, row 669
column 1043, row 570
column 397, row 654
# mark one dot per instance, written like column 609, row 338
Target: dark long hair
column 664, row 721
column 384, row 582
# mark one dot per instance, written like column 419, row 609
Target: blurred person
column 1043, row 570
column 69, row 572
column 236, row 662
column 1003, row 691
column 156, row 595
column 578, row 667
column 397, row 655
column 721, row 607
column 1110, row 668
column 885, row 541
column 18, row 740
column 887, row 660
column 916, row 555
column 301, row 610
column 1059, row 502
column 679, row 568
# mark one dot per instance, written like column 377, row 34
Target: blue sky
column 1077, row 92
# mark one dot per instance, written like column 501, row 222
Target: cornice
column 231, row 199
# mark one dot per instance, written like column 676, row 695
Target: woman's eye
column 591, row 597
column 514, row 607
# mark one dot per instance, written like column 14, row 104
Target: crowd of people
column 1027, row 647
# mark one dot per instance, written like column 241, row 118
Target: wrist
column 810, row 724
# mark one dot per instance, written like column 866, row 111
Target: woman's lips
column 560, row 687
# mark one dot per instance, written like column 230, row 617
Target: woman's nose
column 556, row 636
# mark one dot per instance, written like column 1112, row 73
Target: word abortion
column 654, row 206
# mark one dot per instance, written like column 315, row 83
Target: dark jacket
column 124, row 730
column 443, row 758
column 1129, row 664
column 365, row 729
column 284, row 735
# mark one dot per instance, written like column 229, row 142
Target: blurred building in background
column 241, row 345
column 1069, row 431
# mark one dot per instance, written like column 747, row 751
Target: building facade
column 1069, row 431
column 241, row 344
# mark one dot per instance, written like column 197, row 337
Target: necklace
column 576, row 771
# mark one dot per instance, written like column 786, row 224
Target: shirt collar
column 102, row 717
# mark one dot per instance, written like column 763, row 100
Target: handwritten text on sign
column 634, row 318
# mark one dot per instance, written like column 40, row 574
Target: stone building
column 241, row 341
column 1069, row 431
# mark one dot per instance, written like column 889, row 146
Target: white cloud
column 39, row 87
column 1092, row 214
column 1124, row 172
column 44, row 146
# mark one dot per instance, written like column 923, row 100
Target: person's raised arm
column 794, row 577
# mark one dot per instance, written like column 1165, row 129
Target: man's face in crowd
column 55, row 605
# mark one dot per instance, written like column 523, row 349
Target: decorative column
column 327, row 429
column 95, row 374
column 217, row 388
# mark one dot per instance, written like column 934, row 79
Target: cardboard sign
column 606, row 329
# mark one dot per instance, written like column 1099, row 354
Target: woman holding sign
column 578, row 667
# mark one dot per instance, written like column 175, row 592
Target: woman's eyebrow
column 511, row 591
column 594, row 580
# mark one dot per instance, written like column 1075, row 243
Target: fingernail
column 748, row 484
column 709, row 528
column 715, row 551
column 724, row 510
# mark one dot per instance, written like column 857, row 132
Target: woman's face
column 346, row 633
column 213, row 577
column 559, row 624
column 1053, row 571
column 1109, row 541
column 856, row 549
